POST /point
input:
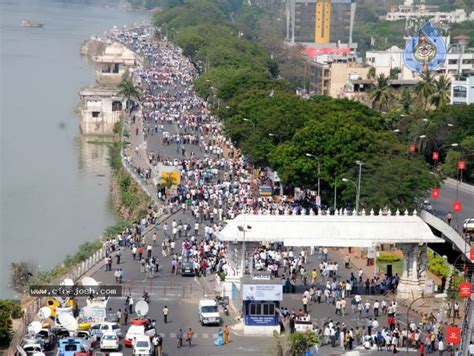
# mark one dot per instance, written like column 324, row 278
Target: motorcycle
column 146, row 297
column 224, row 302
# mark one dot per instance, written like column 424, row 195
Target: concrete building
column 408, row 11
column 384, row 61
column 462, row 89
column 329, row 74
column 320, row 21
column 114, row 64
column 101, row 108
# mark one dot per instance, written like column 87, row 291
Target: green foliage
column 464, row 28
column 437, row 265
column 113, row 230
column 115, row 158
column 388, row 257
column 301, row 342
column 8, row 310
column 20, row 277
column 384, row 33
column 118, row 126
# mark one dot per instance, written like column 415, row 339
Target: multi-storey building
column 320, row 21
column 462, row 89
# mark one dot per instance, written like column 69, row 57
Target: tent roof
column 329, row 230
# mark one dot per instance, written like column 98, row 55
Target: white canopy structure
column 329, row 230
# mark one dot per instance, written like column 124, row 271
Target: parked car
column 69, row 347
column 208, row 312
column 47, row 339
column 32, row 349
column 109, row 341
column 142, row 346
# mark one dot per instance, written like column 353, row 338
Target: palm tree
column 425, row 88
column 441, row 96
column 371, row 73
column 381, row 94
column 128, row 90
column 405, row 101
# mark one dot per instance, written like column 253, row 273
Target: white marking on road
column 205, row 336
column 172, row 335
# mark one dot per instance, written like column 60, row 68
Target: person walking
column 449, row 217
column 125, row 316
column 165, row 314
column 130, row 305
column 179, row 338
column 119, row 315
column 157, row 345
column 305, row 304
column 226, row 334
column 189, row 337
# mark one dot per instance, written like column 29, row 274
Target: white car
column 142, row 346
column 133, row 332
column 110, row 327
column 109, row 341
column 468, row 225
column 209, row 312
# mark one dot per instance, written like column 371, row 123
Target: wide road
column 451, row 191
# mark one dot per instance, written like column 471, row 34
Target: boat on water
column 29, row 23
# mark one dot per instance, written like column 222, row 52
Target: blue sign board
column 261, row 320
column 425, row 51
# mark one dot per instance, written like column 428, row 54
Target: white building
column 113, row 64
column 384, row 61
column 101, row 108
column 408, row 11
column 462, row 90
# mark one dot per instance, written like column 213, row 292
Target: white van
column 209, row 312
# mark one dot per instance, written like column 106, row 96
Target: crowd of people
column 216, row 184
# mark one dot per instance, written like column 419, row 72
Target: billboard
column 262, row 292
column 426, row 51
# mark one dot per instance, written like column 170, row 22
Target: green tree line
column 274, row 127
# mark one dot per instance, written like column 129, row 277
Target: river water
column 54, row 183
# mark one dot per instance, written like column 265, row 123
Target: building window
column 459, row 92
column 452, row 61
column 467, row 61
column 117, row 106
column 261, row 309
column 95, row 113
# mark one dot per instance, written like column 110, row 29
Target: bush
column 21, row 274
column 437, row 265
column 8, row 310
column 388, row 257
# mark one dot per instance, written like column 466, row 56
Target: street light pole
column 355, row 186
column 248, row 120
column 319, row 171
column 360, row 163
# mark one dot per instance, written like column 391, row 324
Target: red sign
column 453, row 334
column 435, row 193
column 412, row 148
column 465, row 289
column 471, row 254
column 435, row 156
column 461, row 165
column 457, row 206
